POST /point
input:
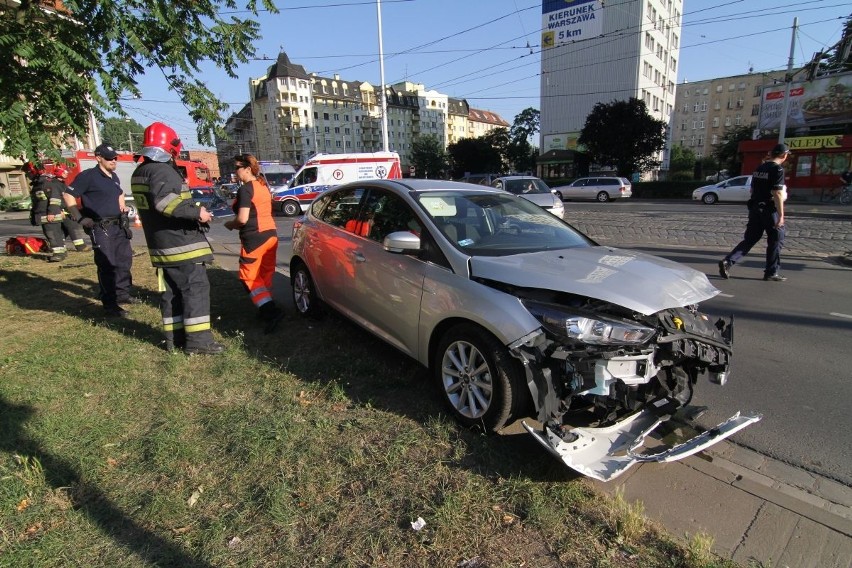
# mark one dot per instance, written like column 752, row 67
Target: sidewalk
column 756, row 509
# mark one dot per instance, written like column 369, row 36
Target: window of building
column 718, row 88
column 337, row 130
column 703, row 106
column 327, row 129
column 755, row 109
column 715, row 139
column 727, row 121
column 325, row 116
column 715, row 122
column 738, row 120
column 732, row 86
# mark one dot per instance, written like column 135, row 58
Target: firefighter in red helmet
column 70, row 227
column 47, row 186
column 175, row 229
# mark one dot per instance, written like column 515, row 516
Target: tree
column 527, row 124
column 474, row 155
column 429, row 157
column 727, row 153
column 64, row 60
column 836, row 59
column 119, row 132
column 681, row 163
column 624, row 135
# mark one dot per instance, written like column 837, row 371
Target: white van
column 324, row 171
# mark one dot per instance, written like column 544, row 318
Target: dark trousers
column 185, row 305
column 761, row 219
column 53, row 234
column 114, row 258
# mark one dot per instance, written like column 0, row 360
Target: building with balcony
column 705, row 110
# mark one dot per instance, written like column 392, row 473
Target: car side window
column 385, row 213
column 341, row 207
column 515, row 186
column 580, row 182
column 737, row 182
column 611, row 181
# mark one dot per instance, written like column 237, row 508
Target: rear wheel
column 482, row 384
column 603, row 197
column 291, row 208
column 304, row 292
column 709, row 198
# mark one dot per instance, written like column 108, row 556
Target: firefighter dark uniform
column 178, row 247
column 109, row 230
column 47, row 201
column 763, row 217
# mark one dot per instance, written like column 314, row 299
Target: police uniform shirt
column 99, row 193
column 766, row 178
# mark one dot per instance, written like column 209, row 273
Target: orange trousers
column 257, row 269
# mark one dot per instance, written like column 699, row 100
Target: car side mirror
column 401, row 242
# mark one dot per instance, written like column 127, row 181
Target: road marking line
column 847, row 316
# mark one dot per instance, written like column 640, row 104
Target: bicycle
column 843, row 194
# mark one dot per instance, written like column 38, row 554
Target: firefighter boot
column 272, row 315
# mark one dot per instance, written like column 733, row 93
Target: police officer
column 46, row 194
column 765, row 214
column 175, row 229
column 104, row 217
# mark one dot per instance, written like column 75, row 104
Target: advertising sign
column 564, row 141
column 565, row 21
column 825, row 101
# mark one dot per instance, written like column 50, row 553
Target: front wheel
column 603, row 197
column 479, row 380
column 304, row 292
column 846, row 197
column 709, row 198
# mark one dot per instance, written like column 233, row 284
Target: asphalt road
column 792, row 339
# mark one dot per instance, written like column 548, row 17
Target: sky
column 485, row 51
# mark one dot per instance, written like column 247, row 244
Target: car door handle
column 358, row 257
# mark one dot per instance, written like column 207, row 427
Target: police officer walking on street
column 103, row 216
column 175, row 228
column 765, row 214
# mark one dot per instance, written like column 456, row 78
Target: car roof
column 416, row 184
column 517, row 177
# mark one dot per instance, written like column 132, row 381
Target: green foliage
column 474, row 155
column 429, row 157
column 121, row 132
column 58, row 67
column 727, row 152
column 682, row 161
column 526, row 124
column 624, row 135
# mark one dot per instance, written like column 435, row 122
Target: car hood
column 634, row 280
column 540, row 199
column 706, row 187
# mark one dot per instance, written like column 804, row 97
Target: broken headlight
column 588, row 328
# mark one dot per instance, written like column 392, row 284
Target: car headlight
column 586, row 328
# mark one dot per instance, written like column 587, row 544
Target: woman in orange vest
column 258, row 237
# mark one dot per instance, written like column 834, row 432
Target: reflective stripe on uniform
column 201, row 323
column 178, row 254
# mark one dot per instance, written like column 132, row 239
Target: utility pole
column 788, row 79
column 382, row 73
column 130, row 140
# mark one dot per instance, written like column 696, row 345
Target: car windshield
column 525, row 186
column 497, row 224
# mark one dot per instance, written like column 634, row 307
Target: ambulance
column 324, row 171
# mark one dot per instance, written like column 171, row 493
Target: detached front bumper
column 606, row 453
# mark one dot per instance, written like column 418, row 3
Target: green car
column 23, row 204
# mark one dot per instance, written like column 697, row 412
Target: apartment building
column 293, row 113
column 704, row 110
column 597, row 52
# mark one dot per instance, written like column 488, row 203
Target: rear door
column 738, row 189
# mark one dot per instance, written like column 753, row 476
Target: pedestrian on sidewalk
column 765, row 215
column 175, row 228
column 103, row 215
column 258, row 239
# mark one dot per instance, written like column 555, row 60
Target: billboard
column 562, row 141
column 825, row 101
column 566, row 21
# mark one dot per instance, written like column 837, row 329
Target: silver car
column 517, row 314
column 600, row 188
column 531, row 189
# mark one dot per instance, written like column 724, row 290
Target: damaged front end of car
column 620, row 374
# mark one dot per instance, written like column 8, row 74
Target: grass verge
column 315, row 446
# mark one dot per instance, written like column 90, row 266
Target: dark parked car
column 215, row 203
